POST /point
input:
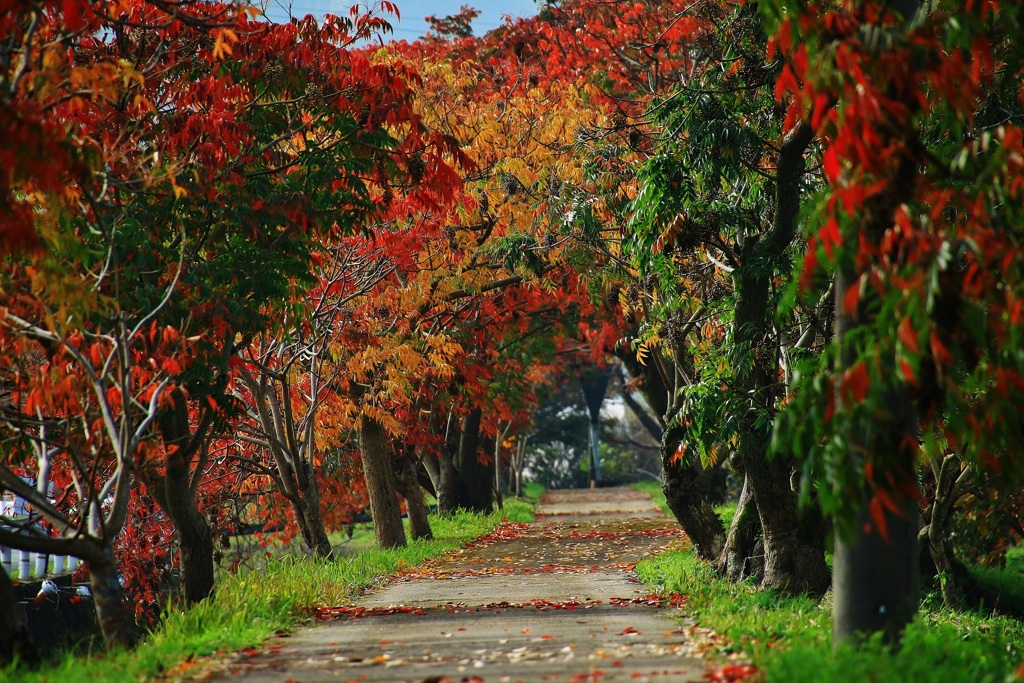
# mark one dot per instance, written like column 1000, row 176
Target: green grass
column 1002, row 589
column 789, row 638
column 249, row 607
column 531, row 491
column 653, row 488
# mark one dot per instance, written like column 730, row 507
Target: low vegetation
column 249, row 607
column 790, row 638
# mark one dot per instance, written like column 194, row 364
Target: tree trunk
column 387, row 518
column 652, row 426
column 498, row 439
column 196, row 542
column 685, row 482
column 404, row 471
column 174, row 494
column 473, row 484
column 946, row 574
column 950, row 477
column 594, row 384
column 432, row 469
column 112, row 613
column 447, row 501
column 194, row 534
column 737, row 560
column 791, row 564
column 687, row 487
column 15, row 641
column 876, row 583
column 518, row 463
column 309, row 517
column 876, row 579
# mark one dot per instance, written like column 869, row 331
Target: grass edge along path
column 789, row 639
column 249, row 608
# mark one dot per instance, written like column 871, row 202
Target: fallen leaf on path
column 731, row 674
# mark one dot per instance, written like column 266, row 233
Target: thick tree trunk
column 194, row 536
column 15, row 641
column 174, row 493
column 473, row 487
column 404, row 471
column 876, row 579
column 686, row 483
column 738, row 560
column 687, row 487
column 309, row 517
column 387, row 517
column 112, row 613
column 196, row 543
column 946, row 574
column 791, row 564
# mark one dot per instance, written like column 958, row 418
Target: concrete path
column 556, row 600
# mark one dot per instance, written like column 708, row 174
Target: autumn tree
column 716, row 216
column 206, row 196
column 70, row 315
column 918, row 222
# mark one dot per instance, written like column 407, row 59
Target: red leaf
column 851, row 300
column 821, row 107
column 908, row 337
column 878, row 515
column 830, row 237
column 856, row 383
column 786, row 84
column 731, row 674
column 940, row 353
column 830, row 163
column 908, row 372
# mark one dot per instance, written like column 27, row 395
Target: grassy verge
column 250, row 607
column 789, row 638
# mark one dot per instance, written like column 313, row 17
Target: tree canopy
column 280, row 274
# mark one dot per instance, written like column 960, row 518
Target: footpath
column 555, row 600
